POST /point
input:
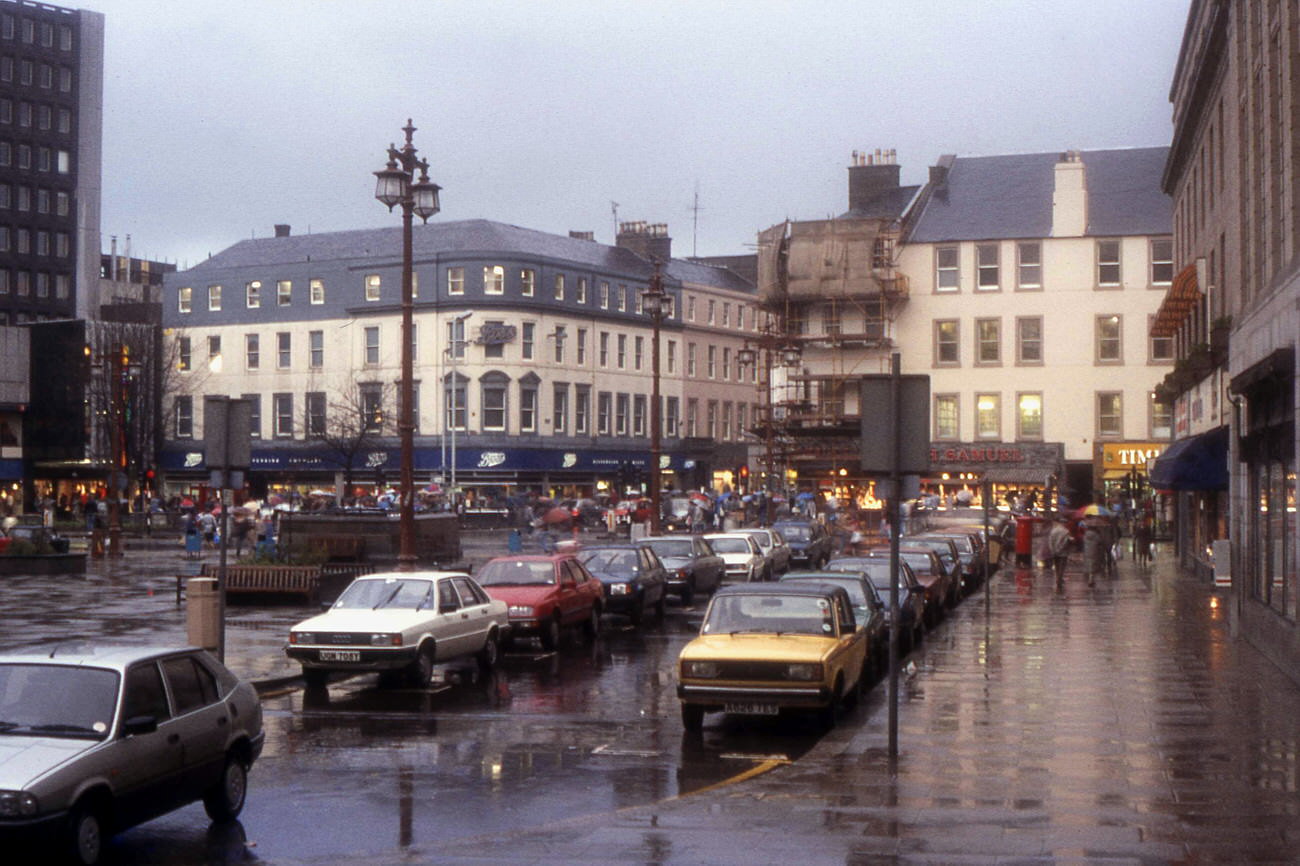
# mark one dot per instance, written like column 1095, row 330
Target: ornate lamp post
column 395, row 184
column 658, row 306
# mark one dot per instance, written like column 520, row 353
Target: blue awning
column 1196, row 463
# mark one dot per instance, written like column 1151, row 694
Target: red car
column 545, row 594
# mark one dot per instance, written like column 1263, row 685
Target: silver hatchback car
column 93, row 742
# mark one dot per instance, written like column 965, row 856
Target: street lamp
column 457, row 341
column 658, row 305
column 394, row 186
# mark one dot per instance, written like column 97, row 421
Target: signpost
column 227, row 438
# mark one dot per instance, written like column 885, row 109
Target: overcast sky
column 222, row 119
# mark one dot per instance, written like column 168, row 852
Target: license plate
column 749, row 708
column 340, row 656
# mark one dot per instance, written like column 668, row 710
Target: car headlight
column 301, row 637
column 385, row 640
column 618, row 589
column 706, row 670
column 18, row 804
column 520, row 610
column 804, row 672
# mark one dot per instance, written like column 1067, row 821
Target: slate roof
column 996, row 197
column 463, row 237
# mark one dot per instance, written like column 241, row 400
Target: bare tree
column 352, row 423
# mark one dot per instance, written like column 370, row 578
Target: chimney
column 648, row 240
column 582, row 236
column 281, row 230
column 870, row 175
column 1070, row 197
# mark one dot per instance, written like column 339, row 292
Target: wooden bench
column 269, row 579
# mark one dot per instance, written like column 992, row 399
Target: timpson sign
column 977, row 456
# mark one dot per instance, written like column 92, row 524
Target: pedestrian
column 89, row 509
column 1094, row 552
column 1142, row 539
column 1058, row 545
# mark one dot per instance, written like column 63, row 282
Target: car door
column 652, row 574
column 708, row 566
column 201, row 720
column 145, row 768
column 474, row 607
column 452, row 634
column 574, row 597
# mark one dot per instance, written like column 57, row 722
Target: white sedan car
column 744, row 560
column 401, row 623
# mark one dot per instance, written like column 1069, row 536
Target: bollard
column 202, row 625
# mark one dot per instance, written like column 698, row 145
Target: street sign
column 227, row 432
column 877, row 441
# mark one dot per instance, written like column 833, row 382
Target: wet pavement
column 1111, row 724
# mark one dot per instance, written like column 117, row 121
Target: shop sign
column 496, row 334
column 1044, row 457
column 489, row 459
column 193, row 459
column 376, row 459
column 1129, row 455
column 569, row 461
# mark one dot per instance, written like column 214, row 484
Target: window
column 254, row 415
column 1110, row 346
column 831, row 319
column 494, row 280
column 692, row 416
column 1029, row 340
column 183, row 354
column 622, row 299
column 453, row 401
column 283, row 353
column 527, row 340
column 712, row 310
column 1160, row 350
column 253, row 294
column 283, row 292
column 372, row 406
column 527, row 408
column 986, row 267
column 604, row 295
column 640, row 302
column 946, row 417
column 1162, row 262
column 214, row 352
column 1162, row 419
column 560, row 409
column 1029, row 416
column 282, row 407
column 712, row 366
column 988, row 416
column 1029, row 265
column 622, row 351
column 672, row 411
column 316, row 290
column 726, row 420
column 582, row 346
column 581, row 409
column 711, row 420
column 371, row 348
column 690, row 360
column 988, row 341
column 947, row 351
column 604, row 408
column 456, row 339
column 559, row 287
column 496, row 348
column 315, row 413
column 947, row 275
column 690, row 308
column 372, row 287
column 1108, row 264
column 315, row 349
column 603, row 353
column 638, row 415
column 726, row 362
column 455, row 281
column 184, row 299
column 494, row 404
column 726, row 315
column 1110, row 414
column 620, row 414
column 559, row 336
column 252, row 351
column 581, row 294
column 184, row 413
column 672, row 356
column 741, row 417
column 527, row 282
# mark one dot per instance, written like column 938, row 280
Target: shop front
column 1120, row 469
column 1023, row 474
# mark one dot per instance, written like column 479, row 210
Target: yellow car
column 765, row 648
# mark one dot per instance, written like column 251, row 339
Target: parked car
column 949, row 556
column 634, row 579
column 768, row 648
column 545, row 594
column 677, row 514
column 930, row 573
column 774, row 547
column 744, row 561
column 971, row 553
column 810, row 544
column 97, row 741
column 911, row 594
column 401, row 623
column 692, row 565
column 868, row 611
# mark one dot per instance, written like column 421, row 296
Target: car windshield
column 57, row 700
column 795, row 532
column 388, row 593
column 731, row 545
column 514, row 572
column 670, row 546
column 764, row 540
column 769, row 614
column 852, row 585
column 610, row 561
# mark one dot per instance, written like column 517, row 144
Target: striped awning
column 1183, row 297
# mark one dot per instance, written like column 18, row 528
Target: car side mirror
column 137, row 725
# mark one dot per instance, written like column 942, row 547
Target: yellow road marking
column 739, row 777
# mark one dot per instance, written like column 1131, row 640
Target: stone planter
column 43, row 563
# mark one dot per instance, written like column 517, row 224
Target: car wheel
column 225, row 800
column 591, row 628
column 550, row 636
column 420, row 673
column 86, row 834
column 829, row 715
column 693, row 718
column 487, row 657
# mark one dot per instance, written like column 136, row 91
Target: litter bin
column 1025, row 540
column 202, row 608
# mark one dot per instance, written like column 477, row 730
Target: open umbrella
column 557, row 515
column 1095, row 510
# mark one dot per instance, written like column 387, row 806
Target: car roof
column 824, row 575
column 614, row 545
column 408, row 575
column 527, row 557
column 813, row 590
column 81, row 654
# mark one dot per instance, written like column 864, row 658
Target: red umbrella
column 557, row 515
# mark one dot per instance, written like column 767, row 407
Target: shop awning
column 1196, row 463
column 1183, row 297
